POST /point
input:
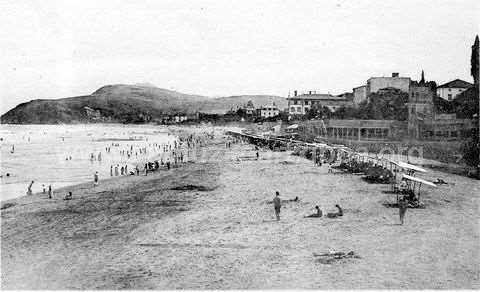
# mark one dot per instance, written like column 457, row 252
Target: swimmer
column 29, row 190
column 68, row 196
column 95, row 179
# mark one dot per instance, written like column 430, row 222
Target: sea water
column 42, row 153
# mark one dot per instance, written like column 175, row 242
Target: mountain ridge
column 126, row 103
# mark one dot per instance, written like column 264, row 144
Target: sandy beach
column 208, row 225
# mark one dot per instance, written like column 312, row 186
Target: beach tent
column 410, row 167
column 413, row 181
column 419, row 180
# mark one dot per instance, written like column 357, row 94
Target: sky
column 61, row 48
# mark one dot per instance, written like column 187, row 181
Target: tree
column 387, row 105
column 474, row 62
column 318, row 112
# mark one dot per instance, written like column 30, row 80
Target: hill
column 222, row 104
column 125, row 104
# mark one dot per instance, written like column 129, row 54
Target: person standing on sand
column 402, row 209
column 50, row 192
column 277, row 204
column 111, row 170
column 95, row 179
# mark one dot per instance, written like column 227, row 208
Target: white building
column 268, row 111
column 301, row 104
column 374, row 84
column 359, row 94
column 450, row 90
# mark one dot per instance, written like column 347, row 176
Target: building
column 450, row 90
column 420, row 107
column 268, row 111
column 250, row 109
column 92, row 113
column 359, row 94
column 374, row 84
column 360, row 130
column 379, row 84
column 301, row 104
column 447, row 127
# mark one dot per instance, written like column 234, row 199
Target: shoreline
column 207, row 225
column 80, row 170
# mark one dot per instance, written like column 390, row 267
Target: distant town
column 405, row 110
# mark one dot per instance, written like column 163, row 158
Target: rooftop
column 457, row 83
column 387, row 77
column 317, row 97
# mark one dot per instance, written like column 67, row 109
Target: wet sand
column 207, row 225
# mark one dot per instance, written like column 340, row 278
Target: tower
column 422, row 80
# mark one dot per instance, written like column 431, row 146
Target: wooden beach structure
column 401, row 171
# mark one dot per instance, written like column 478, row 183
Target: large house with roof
column 450, row 90
column 301, row 104
column 268, row 111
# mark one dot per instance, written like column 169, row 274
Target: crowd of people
column 277, row 205
column 136, row 159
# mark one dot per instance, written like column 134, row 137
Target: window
column 294, row 102
column 449, row 89
column 292, row 109
column 449, row 97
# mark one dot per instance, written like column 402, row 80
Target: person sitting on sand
column 315, row 215
column 337, row 214
column 68, row 196
column 440, row 181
